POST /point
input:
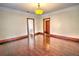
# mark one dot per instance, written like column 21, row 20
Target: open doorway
column 31, row 32
column 46, row 31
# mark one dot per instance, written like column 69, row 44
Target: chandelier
column 39, row 11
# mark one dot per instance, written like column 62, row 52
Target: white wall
column 64, row 22
column 13, row 23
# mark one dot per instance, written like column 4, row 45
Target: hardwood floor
column 57, row 47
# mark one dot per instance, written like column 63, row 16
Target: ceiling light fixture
column 39, row 11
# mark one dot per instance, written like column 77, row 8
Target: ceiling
column 31, row 7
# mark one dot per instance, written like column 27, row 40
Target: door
column 31, row 32
column 46, row 30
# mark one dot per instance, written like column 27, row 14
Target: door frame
column 46, row 36
column 44, row 21
column 33, row 25
column 33, row 30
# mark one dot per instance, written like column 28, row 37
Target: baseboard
column 16, row 38
column 61, row 37
column 13, row 39
column 65, row 38
column 40, row 33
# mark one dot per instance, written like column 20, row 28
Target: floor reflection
column 46, row 41
column 31, row 41
column 56, row 47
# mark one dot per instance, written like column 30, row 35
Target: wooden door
column 46, row 30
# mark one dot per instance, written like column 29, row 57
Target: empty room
column 39, row 29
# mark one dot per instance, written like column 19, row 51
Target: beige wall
column 64, row 22
column 13, row 23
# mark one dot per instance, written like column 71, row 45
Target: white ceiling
column 30, row 7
